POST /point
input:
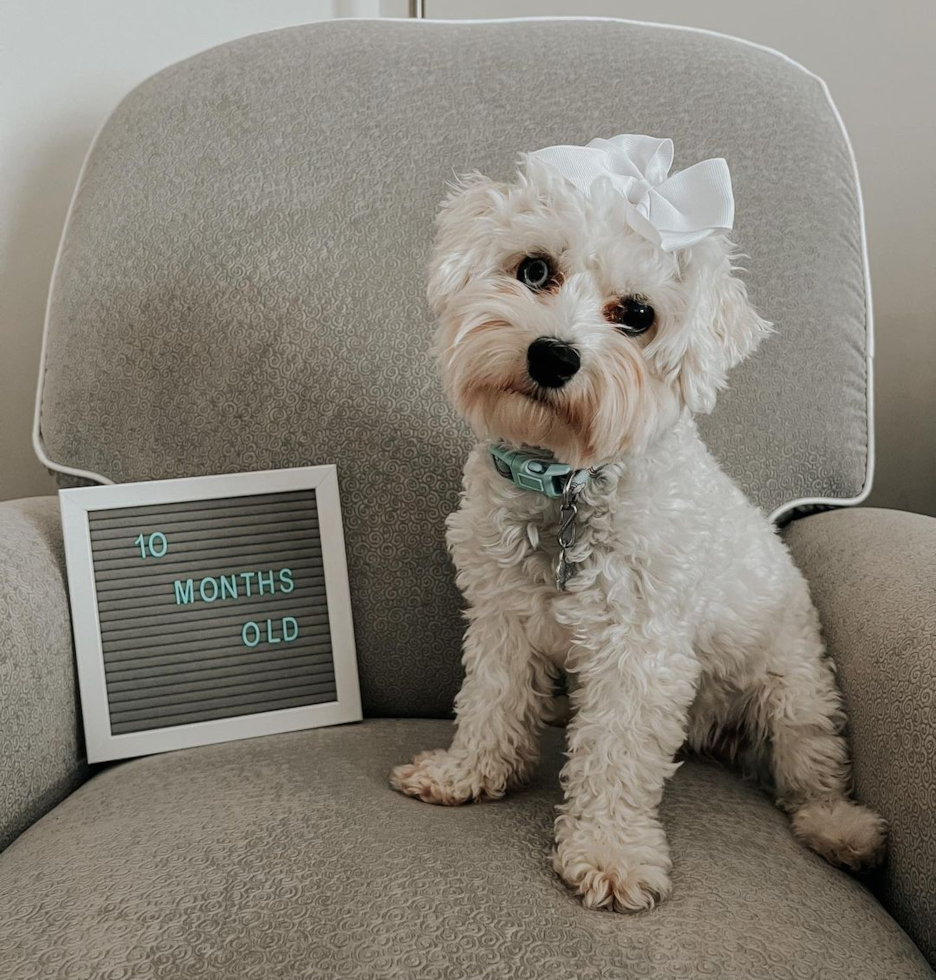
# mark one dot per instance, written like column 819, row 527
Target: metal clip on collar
column 568, row 510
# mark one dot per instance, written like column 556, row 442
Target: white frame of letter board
column 103, row 746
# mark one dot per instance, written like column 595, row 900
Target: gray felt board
column 211, row 609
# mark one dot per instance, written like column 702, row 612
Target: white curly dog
column 588, row 310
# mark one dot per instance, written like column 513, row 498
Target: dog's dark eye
column 633, row 316
column 536, row 272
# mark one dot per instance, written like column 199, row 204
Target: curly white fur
column 686, row 620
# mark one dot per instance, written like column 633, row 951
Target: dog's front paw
column 619, row 877
column 440, row 777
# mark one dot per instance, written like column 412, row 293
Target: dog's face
column 562, row 327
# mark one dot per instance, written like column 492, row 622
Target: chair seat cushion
column 289, row 857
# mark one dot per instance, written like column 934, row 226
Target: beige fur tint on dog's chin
column 578, row 428
column 686, row 620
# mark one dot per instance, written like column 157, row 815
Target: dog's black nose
column 552, row 362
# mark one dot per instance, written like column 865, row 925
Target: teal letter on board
column 158, row 545
column 268, row 582
column 228, row 587
column 184, row 592
column 290, row 629
column 214, row 589
column 254, row 631
column 286, row 580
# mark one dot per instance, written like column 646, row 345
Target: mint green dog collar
column 534, row 469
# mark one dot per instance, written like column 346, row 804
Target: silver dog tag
column 564, row 570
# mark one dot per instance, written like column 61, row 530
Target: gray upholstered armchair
column 240, row 286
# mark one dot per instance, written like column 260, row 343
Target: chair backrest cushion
column 241, row 283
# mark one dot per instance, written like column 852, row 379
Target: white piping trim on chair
column 38, row 446
column 869, row 312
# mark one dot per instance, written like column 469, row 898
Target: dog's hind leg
column 795, row 715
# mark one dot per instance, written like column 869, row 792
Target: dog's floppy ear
column 457, row 232
column 720, row 327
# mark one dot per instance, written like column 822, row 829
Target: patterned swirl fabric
column 289, row 858
column 41, row 755
column 873, row 579
column 242, row 281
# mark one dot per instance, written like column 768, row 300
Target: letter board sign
column 208, row 609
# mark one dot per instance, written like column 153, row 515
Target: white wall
column 880, row 62
column 65, row 63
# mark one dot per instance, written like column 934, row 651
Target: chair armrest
column 872, row 574
column 41, row 749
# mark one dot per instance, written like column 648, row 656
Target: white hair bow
column 671, row 212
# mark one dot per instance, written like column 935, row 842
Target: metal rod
column 417, row 9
